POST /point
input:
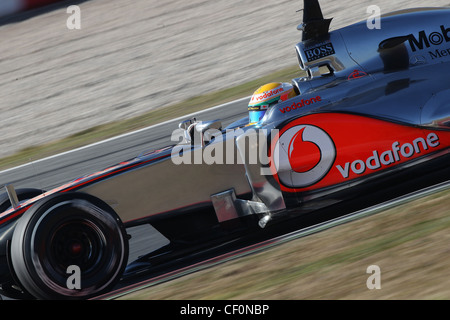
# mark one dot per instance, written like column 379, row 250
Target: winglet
column 314, row 25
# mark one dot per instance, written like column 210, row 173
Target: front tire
column 70, row 229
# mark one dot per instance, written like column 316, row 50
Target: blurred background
column 133, row 56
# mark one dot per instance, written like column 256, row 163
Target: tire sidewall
column 33, row 236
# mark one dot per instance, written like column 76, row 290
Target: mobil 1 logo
column 424, row 40
column 319, row 51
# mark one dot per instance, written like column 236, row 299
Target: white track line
column 124, row 135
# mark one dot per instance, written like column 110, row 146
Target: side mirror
column 203, row 126
column 186, row 123
column 207, row 130
column 199, row 133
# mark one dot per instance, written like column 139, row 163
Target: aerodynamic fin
column 314, row 25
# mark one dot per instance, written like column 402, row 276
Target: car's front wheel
column 69, row 246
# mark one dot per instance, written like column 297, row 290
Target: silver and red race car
column 373, row 110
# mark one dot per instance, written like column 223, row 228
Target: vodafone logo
column 305, row 155
column 262, row 96
column 397, row 153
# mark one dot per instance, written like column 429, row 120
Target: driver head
column 266, row 96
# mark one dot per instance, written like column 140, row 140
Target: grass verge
column 152, row 117
column 410, row 244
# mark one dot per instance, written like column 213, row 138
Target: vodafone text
column 397, row 153
column 265, row 95
column 301, row 104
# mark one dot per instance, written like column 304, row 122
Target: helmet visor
column 256, row 115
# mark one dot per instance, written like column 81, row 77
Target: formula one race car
column 373, row 107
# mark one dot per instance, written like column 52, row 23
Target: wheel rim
column 76, row 242
column 80, row 238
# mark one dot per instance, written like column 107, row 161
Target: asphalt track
column 52, row 171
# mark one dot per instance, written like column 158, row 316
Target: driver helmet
column 266, row 96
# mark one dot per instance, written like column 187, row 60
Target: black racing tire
column 69, row 229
